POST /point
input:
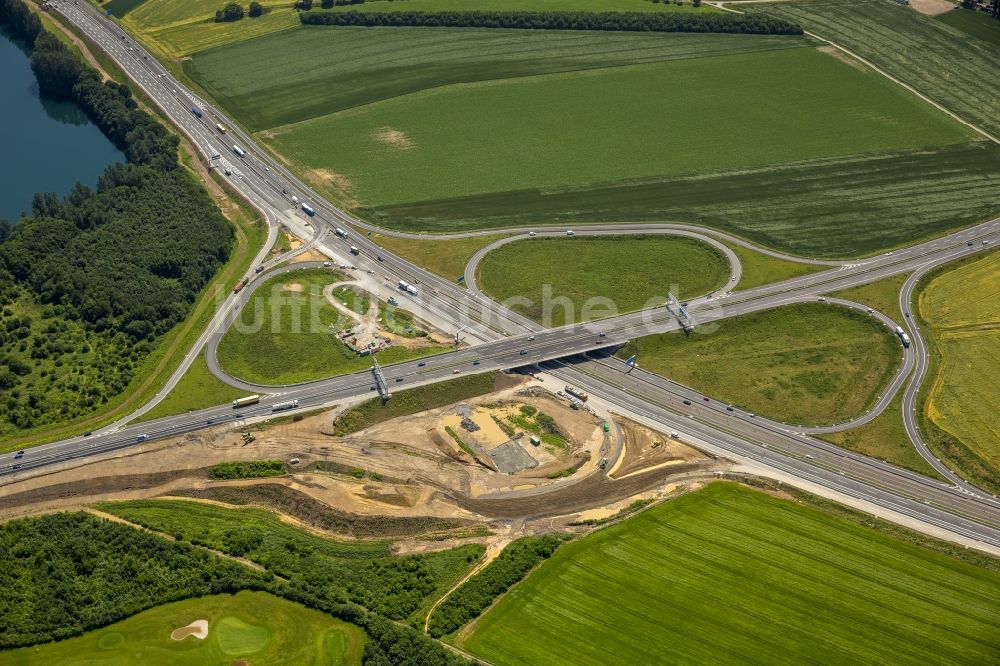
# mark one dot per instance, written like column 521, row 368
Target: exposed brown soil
column 932, row 7
column 593, row 491
column 394, row 138
column 645, row 448
column 843, row 57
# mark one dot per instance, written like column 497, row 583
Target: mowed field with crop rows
column 834, row 207
column 730, row 575
column 623, row 123
column 961, row 309
column 808, row 363
column 264, row 82
column 253, row 627
column 177, row 28
column 557, row 281
column 931, row 56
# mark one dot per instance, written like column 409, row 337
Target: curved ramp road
column 260, row 178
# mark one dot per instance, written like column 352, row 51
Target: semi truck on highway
column 239, row 285
column 308, row 209
column 341, row 232
column 196, row 111
column 407, row 287
column 239, row 151
column 248, row 400
column 577, row 393
column 355, row 250
column 288, row 404
column 903, row 337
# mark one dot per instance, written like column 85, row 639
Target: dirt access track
column 393, row 470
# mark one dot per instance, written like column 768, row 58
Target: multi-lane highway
column 510, row 340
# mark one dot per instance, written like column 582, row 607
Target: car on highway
column 705, row 398
column 871, row 310
column 729, row 408
column 522, row 352
column 19, row 454
column 687, row 402
column 532, row 234
column 531, row 337
column 821, row 299
column 421, row 364
column 455, row 371
column 751, row 415
column 570, row 232
column 986, row 242
column 399, row 379
column 88, row 433
column 476, row 362
column 142, row 438
column 969, row 243
column 372, row 387
column 602, row 334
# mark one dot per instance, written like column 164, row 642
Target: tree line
column 247, row 469
column 478, row 592
column 716, row 22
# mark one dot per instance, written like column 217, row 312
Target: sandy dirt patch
column 293, row 287
column 645, row 449
column 932, row 7
column 310, row 255
column 843, row 57
column 394, row 138
column 198, row 629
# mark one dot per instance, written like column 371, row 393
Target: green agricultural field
column 177, row 28
column 529, row 5
column 557, row 281
column 727, row 575
column 264, row 82
column 960, row 310
column 360, row 570
column 927, row 54
column 976, row 24
column 286, row 334
column 627, row 123
column 809, row 363
column 282, row 93
column 834, row 207
column 252, row 627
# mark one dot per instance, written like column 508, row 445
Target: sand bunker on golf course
column 198, row 629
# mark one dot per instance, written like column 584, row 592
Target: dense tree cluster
column 256, row 9
column 477, row 593
column 761, row 24
column 22, row 22
column 233, row 11
column 63, row 574
column 247, row 469
column 89, row 281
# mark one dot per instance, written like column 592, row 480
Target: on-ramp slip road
column 957, row 509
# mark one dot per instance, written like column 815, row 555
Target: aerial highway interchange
column 578, row 354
